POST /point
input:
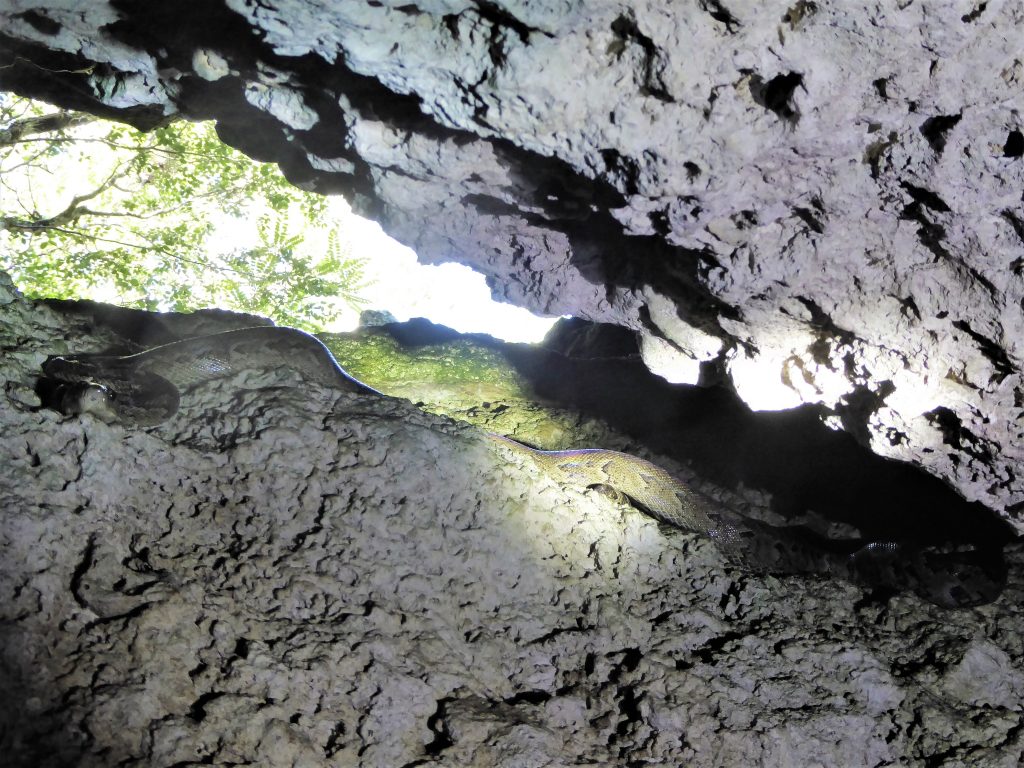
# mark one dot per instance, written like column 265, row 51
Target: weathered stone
column 285, row 575
column 822, row 201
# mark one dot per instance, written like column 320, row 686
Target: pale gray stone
column 822, row 200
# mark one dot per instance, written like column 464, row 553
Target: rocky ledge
column 287, row 575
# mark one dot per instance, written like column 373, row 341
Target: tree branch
column 73, row 210
column 10, row 223
column 14, row 131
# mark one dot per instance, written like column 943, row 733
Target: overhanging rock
column 822, row 200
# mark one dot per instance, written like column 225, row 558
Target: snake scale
column 145, row 389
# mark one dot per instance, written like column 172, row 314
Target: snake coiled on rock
column 145, row 389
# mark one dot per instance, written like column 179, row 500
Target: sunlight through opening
column 448, row 294
column 264, row 256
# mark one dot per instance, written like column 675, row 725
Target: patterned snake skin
column 145, row 389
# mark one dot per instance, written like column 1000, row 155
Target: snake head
column 111, row 388
column 78, row 387
column 88, row 397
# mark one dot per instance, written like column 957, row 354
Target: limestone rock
column 821, row 200
column 284, row 575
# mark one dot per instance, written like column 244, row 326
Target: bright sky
column 450, row 294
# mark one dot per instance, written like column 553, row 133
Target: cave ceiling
column 817, row 202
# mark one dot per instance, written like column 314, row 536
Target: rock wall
column 821, row 201
column 288, row 575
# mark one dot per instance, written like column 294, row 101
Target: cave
column 789, row 237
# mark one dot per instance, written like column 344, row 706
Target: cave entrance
column 174, row 219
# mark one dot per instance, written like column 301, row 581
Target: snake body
column 145, row 388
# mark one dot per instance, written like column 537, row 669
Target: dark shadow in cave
column 803, row 464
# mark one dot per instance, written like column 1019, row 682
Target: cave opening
column 96, row 210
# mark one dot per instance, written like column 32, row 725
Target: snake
column 145, row 389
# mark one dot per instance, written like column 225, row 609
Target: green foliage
column 284, row 284
column 91, row 209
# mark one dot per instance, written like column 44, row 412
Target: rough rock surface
column 283, row 575
column 587, row 386
column 822, row 200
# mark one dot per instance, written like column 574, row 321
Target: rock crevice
column 719, row 179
